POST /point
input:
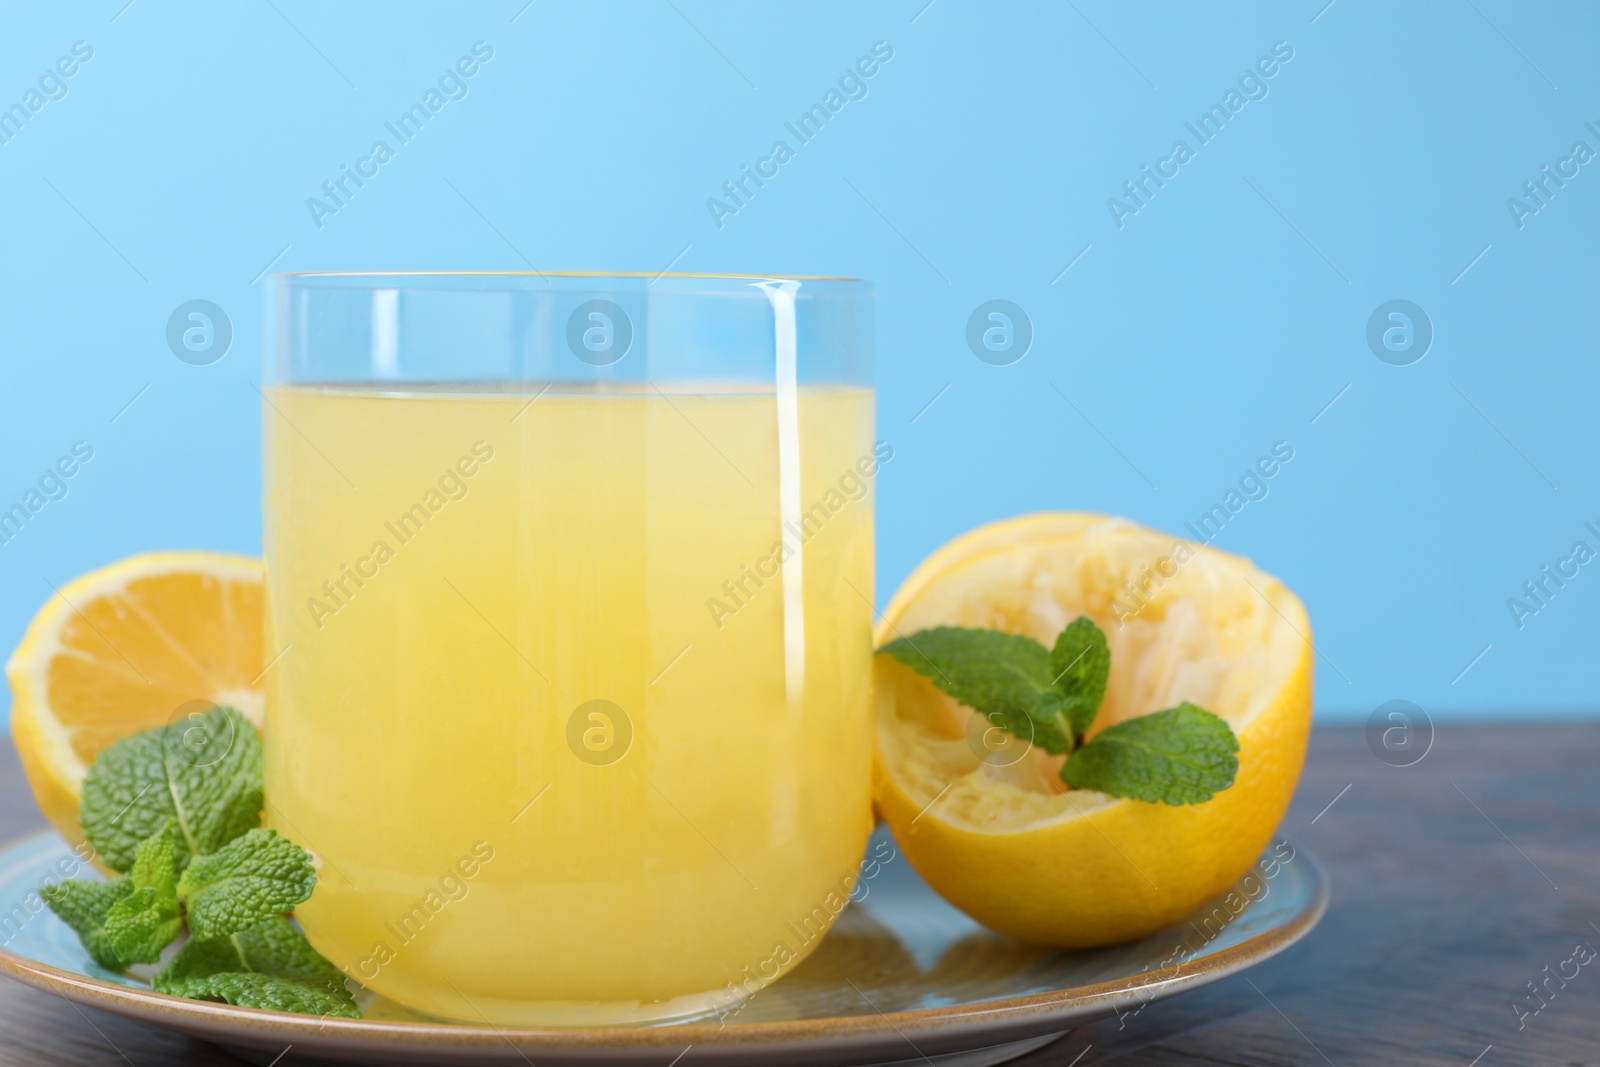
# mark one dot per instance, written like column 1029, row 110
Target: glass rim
column 413, row 325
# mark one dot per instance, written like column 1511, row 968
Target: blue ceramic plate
column 901, row 978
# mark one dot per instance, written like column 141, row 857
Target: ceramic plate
column 902, row 978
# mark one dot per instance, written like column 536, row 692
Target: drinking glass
column 570, row 586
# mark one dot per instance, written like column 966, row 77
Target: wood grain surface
column 1456, row 882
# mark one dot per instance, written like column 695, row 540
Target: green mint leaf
column 1183, row 755
column 1005, row 677
column 83, row 905
column 141, row 924
column 155, row 861
column 145, row 921
column 204, row 771
column 248, row 990
column 1080, row 664
column 250, row 879
column 270, row 965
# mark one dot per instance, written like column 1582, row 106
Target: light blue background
column 1222, row 318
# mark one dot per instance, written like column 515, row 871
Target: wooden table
column 1455, row 882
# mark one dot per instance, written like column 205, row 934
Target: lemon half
column 991, row 827
column 135, row 644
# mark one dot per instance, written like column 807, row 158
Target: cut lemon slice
column 137, row 644
column 984, row 817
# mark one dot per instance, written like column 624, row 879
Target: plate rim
column 1005, row 1019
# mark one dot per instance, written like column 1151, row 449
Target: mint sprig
column 250, row 879
column 179, row 809
column 1183, row 755
column 1050, row 697
column 1081, row 661
column 147, row 919
column 203, row 771
column 270, row 964
column 1008, row 677
column 85, row 906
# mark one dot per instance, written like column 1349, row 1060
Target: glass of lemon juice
column 570, row 587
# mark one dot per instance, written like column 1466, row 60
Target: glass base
column 582, row 1013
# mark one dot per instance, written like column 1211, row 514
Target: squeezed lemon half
column 986, row 820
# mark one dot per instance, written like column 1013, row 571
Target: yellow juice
column 572, row 703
